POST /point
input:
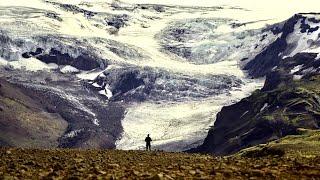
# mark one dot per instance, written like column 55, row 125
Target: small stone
column 8, row 152
column 81, row 169
column 102, row 172
column 137, row 173
column 22, row 171
column 192, row 172
column 145, row 175
column 113, row 166
column 180, row 174
column 198, row 171
column 185, row 167
column 55, row 158
column 166, row 171
column 78, row 160
column 257, row 172
column 168, row 177
column 157, row 177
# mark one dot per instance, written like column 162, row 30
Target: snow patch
column 95, row 85
column 96, row 122
column 309, row 70
column 244, row 114
column 93, row 74
column 89, row 75
column 297, row 77
column 264, row 107
column 302, row 40
column 30, row 64
column 69, row 69
column 106, row 92
column 3, row 62
column 274, row 68
column 296, row 69
column 313, row 50
column 73, row 133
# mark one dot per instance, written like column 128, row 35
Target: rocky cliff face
column 49, row 110
column 279, row 109
column 290, row 98
column 20, row 114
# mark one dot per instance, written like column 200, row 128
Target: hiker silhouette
column 148, row 142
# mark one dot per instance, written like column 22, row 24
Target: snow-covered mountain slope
column 289, row 99
column 299, row 34
column 171, row 66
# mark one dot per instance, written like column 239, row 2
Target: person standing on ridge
column 148, row 142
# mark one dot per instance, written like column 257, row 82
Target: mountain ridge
column 288, row 101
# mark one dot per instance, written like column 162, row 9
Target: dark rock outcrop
column 53, row 15
column 134, row 84
column 117, row 21
column 279, row 109
column 74, row 9
column 82, row 62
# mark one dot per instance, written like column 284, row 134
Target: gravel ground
column 114, row 164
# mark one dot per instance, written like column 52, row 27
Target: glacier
column 171, row 65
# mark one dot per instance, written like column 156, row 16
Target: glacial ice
column 183, row 78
